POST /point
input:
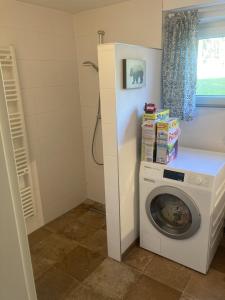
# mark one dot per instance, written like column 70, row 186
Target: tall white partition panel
column 122, row 110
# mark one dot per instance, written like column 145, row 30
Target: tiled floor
column 70, row 262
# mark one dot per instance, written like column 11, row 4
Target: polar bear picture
column 134, row 73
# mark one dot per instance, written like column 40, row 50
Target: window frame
column 207, row 31
column 210, row 101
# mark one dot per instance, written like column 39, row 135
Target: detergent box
column 148, row 151
column 148, row 140
column 168, row 130
column 166, row 152
column 149, row 131
column 159, row 114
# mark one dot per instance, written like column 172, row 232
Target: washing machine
column 182, row 207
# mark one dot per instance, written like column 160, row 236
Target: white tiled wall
column 134, row 21
column 89, row 95
column 45, row 48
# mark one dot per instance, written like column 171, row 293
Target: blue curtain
column 179, row 65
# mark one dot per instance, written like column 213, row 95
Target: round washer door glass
column 173, row 212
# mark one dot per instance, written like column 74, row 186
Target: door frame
column 16, row 273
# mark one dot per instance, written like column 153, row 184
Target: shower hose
column 98, row 119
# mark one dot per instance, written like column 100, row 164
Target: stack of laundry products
column 160, row 135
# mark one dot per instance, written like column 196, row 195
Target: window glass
column 211, row 67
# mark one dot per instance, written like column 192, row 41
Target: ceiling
column 73, row 6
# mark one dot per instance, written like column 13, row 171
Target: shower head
column 90, row 64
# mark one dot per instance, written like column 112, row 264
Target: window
column 210, row 90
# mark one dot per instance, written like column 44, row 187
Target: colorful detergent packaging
column 165, row 152
column 149, row 130
column 159, row 114
column 148, row 149
column 168, row 132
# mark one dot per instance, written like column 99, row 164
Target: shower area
column 69, row 248
column 41, row 133
column 16, row 138
column 91, row 113
column 97, row 124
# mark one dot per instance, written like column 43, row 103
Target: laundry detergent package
column 159, row 114
column 166, row 152
column 168, row 130
column 149, row 133
column 148, row 151
column 148, row 140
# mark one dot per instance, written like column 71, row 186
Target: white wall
column 134, row 22
column 206, row 131
column 121, row 118
column 45, row 48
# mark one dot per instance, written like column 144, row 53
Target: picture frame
column 134, row 73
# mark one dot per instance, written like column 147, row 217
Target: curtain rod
column 200, row 7
column 208, row 13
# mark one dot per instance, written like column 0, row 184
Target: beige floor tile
column 187, row 297
column 78, row 211
column 98, row 207
column 218, row 262
column 40, row 265
column 79, row 231
column 80, row 263
column 54, row 285
column 84, row 293
column 60, row 224
column 223, row 241
column 112, row 279
column 93, row 219
column 206, row 287
column 38, row 236
column 168, row 272
column 149, row 289
column 138, row 258
column 97, row 242
column 54, row 248
column 90, row 204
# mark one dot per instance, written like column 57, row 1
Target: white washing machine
column 182, row 207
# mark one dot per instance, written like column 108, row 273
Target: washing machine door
column 173, row 212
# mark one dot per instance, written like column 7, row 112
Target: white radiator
column 16, row 124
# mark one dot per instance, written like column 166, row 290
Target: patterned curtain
column 179, row 66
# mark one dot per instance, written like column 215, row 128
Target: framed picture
column 134, row 73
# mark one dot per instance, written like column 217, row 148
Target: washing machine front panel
column 173, row 212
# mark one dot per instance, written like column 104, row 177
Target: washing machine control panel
column 153, row 172
column 174, row 175
column 188, row 177
column 199, row 180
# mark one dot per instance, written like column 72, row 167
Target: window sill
column 210, row 101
